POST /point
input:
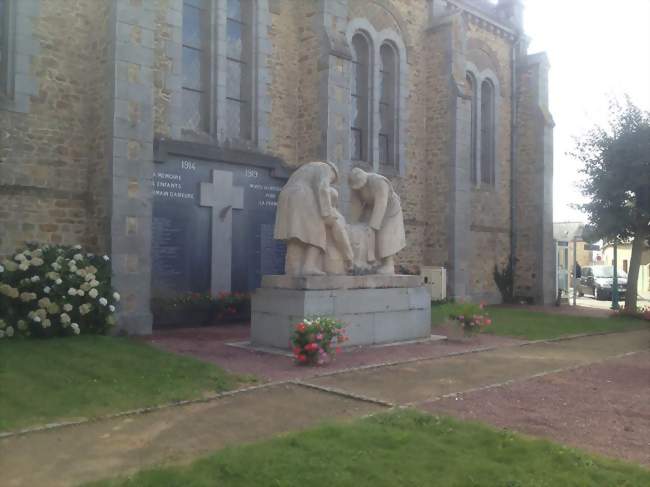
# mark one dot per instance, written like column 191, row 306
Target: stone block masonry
column 372, row 316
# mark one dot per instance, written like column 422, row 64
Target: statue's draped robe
column 377, row 205
column 303, row 204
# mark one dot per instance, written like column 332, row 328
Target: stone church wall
column 490, row 207
column 52, row 146
column 60, row 154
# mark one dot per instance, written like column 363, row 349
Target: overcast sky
column 598, row 49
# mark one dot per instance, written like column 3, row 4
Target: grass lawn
column 52, row 380
column 531, row 325
column 396, row 449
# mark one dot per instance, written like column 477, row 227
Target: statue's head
column 334, row 172
column 358, row 178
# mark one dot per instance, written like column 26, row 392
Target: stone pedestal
column 376, row 309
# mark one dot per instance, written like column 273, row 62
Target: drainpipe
column 513, row 156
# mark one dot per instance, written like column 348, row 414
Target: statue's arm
column 381, row 192
column 323, row 194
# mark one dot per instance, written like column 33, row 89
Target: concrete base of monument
column 376, row 309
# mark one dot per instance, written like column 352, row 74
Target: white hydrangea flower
column 67, row 307
column 20, row 258
column 56, row 266
column 47, row 289
column 72, row 291
column 24, row 265
column 75, row 328
column 37, row 262
column 10, row 331
column 78, row 257
column 65, row 318
column 58, row 281
column 103, row 301
column 106, row 258
column 47, row 323
column 111, row 308
column 36, row 319
column 22, row 325
column 2, row 269
column 77, row 247
column 93, row 293
column 35, row 279
column 73, row 268
column 2, row 324
column 2, row 334
column 94, row 283
column 116, row 297
column 81, row 292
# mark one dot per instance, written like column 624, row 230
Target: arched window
column 196, row 64
column 360, row 90
column 471, row 92
column 388, row 118
column 239, row 72
column 487, row 133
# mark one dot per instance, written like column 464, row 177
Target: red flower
column 338, row 349
column 297, row 351
column 302, row 358
column 488, row 321
column 301, row 327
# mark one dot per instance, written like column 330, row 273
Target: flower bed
column 315, row 341
column 471, row 318
column 201, row 309
column 56, row 290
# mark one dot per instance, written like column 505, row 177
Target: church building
column 160, row 132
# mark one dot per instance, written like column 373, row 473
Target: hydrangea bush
column 315, row 340
column 55, row 290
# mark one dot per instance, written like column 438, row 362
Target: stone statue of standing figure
column 319, row 241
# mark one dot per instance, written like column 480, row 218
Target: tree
column 617, row 183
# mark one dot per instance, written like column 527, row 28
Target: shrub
column 505, row 281
column 55, row 290
column 223, row 304
column 471, row 317
column 315, row 340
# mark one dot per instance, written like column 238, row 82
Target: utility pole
column 615, row 304
column 575, row 269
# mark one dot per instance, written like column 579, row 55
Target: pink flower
column 319, row 336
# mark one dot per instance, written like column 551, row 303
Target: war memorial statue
column 340, row 268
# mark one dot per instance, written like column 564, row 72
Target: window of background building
column 388, row 105
column 487, row 133
column 471, row 91
column 359, row 129
column 196, row 64
column 239, row 76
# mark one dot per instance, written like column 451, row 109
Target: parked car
column 597, row 281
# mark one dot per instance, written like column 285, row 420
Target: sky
column 598, row 49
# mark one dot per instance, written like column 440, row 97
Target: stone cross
column 223, row 198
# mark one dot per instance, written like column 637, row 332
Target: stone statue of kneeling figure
column 375, row 211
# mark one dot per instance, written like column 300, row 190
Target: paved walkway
column 71, row 455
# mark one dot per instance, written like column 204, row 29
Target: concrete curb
column 522, row 379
